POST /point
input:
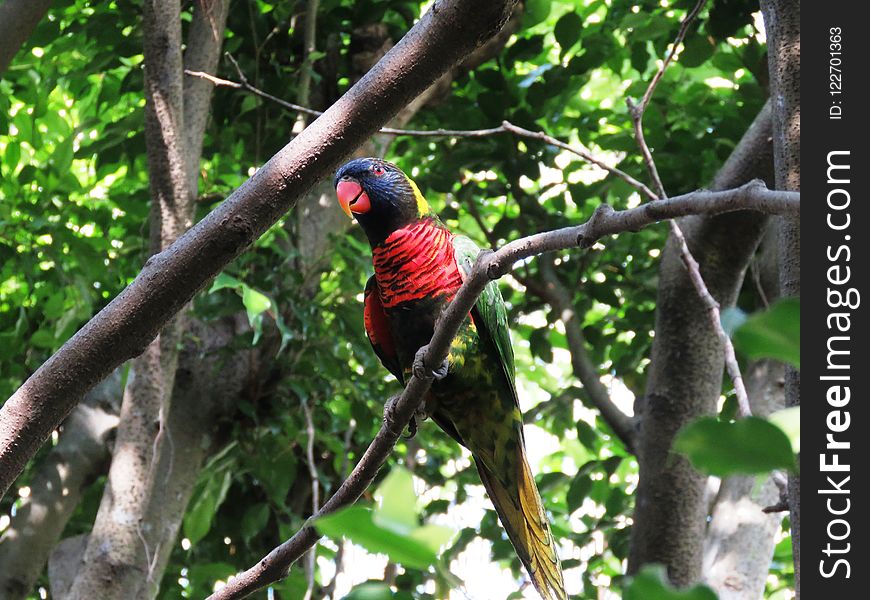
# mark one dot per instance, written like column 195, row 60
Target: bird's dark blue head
column 380, row 196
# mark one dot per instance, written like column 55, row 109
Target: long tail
column 522, row 515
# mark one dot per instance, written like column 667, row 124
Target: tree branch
column 201, row 54
column 445, row 34
column 489, row 266
column 505, row 127
column 637, row 109
column 556, row 295
column 710, row 303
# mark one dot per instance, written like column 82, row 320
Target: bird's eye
column 378, row 171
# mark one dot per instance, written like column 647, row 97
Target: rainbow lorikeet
column 419, row 266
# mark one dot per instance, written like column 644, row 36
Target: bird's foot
column 390, row 414
column 419, row 368
column 391, row 421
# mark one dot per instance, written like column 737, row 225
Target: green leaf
column 370, row 590
column 397, row 502
column 535, row 12
column 578, row 491
column 567, row 30
column 774, row 333
column 198, row 519
column 651, row 583
column 392, row 527
column 789, row 420
column 750, row 445
column 433, row 537
column 255, row 303
column 357, row 524
column 224, row 281
column 254, row 520
column 696, row 50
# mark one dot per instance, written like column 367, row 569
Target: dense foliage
column 74, row 218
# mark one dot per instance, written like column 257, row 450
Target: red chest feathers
column 416, row 262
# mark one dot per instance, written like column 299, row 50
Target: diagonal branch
column 557, row 296
column 490, row 266
column 443, row 36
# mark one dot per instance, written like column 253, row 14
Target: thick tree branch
column 18, row 19
column 446, row 33
column 489, row 266
column 202, row 52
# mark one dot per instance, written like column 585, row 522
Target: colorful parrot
column 419, row 266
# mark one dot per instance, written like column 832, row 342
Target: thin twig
column 712, row 306
column 489, row 266
column 681, row 35
column 505, row 127
column 637, row 109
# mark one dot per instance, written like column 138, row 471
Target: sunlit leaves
column 208, row 498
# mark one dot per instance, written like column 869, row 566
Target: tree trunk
column 741, row 537
column 119, row 557
column 685, row 377
column 80, row 456
column 782, row 23
column 18, row 19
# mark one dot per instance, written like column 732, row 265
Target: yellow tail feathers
column 522, row 515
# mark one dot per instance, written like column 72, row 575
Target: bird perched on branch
column 419, row 266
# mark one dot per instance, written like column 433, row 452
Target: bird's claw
column 419, row 368
column 413, row 425
column 389, row 411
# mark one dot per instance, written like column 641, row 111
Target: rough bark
column 202, row 53
column 80, row 456
column 208, row 382
column 122, row 541
column 685, row 376
column 782, row 24
column 171, row 278
column 208, row 385
column 18, row 19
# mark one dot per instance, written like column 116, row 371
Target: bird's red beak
column 352, row 198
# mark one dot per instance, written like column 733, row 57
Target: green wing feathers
column 490, row 306
column 491, row 428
